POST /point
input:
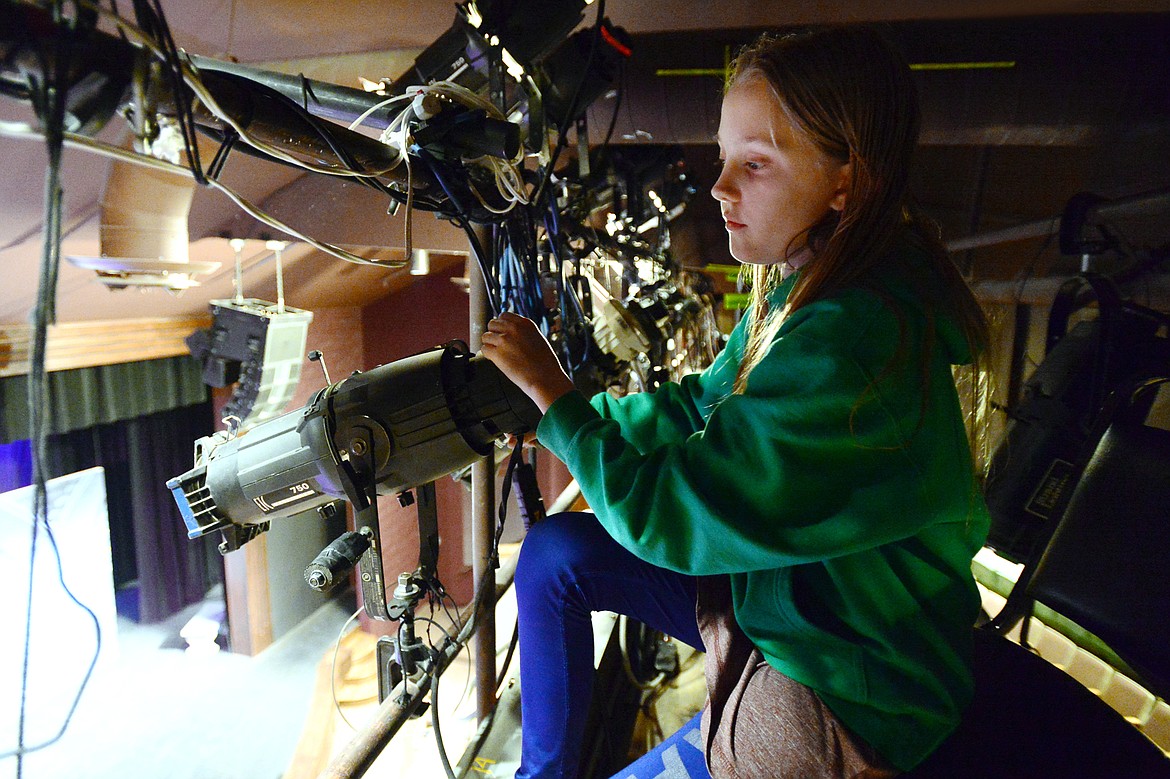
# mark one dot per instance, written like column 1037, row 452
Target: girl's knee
column 558, row 546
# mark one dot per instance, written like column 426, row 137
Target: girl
column 805, row 510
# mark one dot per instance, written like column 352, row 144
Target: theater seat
column 1105, row 568
column 1031, row 719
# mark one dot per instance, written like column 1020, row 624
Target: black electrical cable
column 182, row 98
column 505, row 491
column 152, row 20
column 563, row 135
column 221, row 154
column 462, row 220
column 489, row 281
column 497, row 259
column 49, row 101
column 487, row 580
column 621, row 92
column 435, row 656
column 436, row 625
column 437, row 593
column 603, row 150
column 553, row 235
column 580, row 323
column 19, row 753
column 508, row 657
column 487, row 583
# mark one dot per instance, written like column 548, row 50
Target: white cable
column 356, row 122
column 397, row 136
column 333, row 668
column 507, row 174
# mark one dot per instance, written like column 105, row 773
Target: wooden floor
column 345, row 700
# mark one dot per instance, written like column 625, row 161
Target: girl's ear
column 844, row 176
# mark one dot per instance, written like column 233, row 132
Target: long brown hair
column 852, row 95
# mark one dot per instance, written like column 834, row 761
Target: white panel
column 63, row 638
column 1091, row 671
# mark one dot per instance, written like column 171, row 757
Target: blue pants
column 569, row 566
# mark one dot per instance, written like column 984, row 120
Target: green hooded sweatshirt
column 837, row 491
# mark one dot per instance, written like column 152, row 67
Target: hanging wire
column 49, row 102
column 486, row 584
column 333, row 667
column 435, row 659
column 462, row 220
column 564, row 132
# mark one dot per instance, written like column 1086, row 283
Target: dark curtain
column 102, row 446
column 173, row 571
column 87, row 397
column 147, row 535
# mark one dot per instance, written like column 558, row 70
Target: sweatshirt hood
column 915, row 281
column 909, row 278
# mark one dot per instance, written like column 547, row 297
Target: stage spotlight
column 259, row 347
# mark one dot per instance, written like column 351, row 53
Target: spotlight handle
column 317, row 356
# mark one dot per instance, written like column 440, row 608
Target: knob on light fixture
column 420, row 262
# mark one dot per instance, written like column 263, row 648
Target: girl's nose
column 724, row 189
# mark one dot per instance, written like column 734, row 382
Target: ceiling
column 1085, row 106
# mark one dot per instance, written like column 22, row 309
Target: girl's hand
column 520, row 351
column 528, row 439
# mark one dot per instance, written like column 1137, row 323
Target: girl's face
column 775, row 183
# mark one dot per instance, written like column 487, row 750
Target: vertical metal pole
column 483, row 499
column 483, row 472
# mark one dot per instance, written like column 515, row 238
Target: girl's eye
column 753, row 165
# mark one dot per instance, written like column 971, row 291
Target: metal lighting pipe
column 1136, row 205
column 320, row 98
column 483, row 499
column 1017, row 233
column 359, row 754
column 364, row 748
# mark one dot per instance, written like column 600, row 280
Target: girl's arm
column 647, row 420
column 814, row 461
column 520, row 351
